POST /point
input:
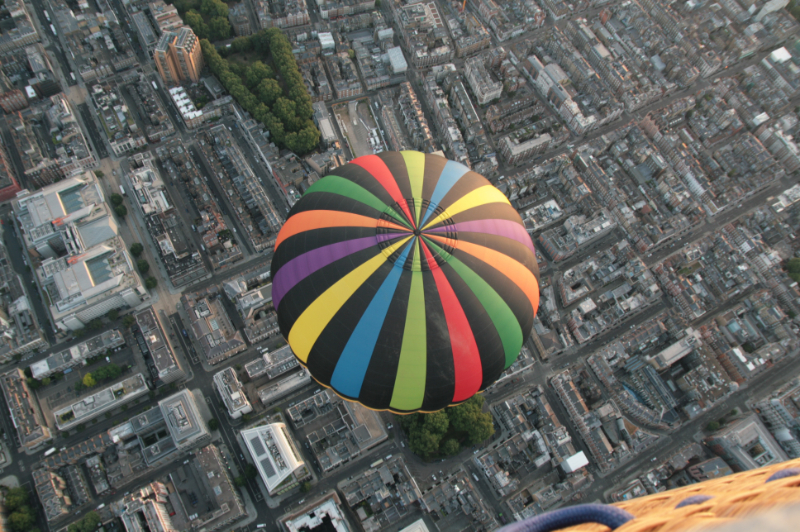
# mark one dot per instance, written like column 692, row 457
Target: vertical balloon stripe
column 308, row 220
column 416, row 258
column 504, row 320
column 378, row 169
column 498, row 227
column 452, row 172
column 304, row 265
column 415, row 166
column 466, row 357
column 339, row 185
column 479, row 196
column 409, row 384
column 518, row 274
column 316, row 316
column 352, row 364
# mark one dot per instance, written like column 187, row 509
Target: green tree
column 219, row 28
column 257, row 72
column 136, row 249
column 305, row 487
column 46, row 381
column 113, row 314
column 143, row 266
column 436, row 422
column 150, row 283
column 121, row 211
column 240, row 481
column 214, row 8
column 250, row 471
column 116, row 199
column 482, row 429
column 269, row 91
column 16, row 498
column 89, row 523
column 468, row 417
column 351, row 53
column 198, row 25
column 213, row 424
column 22, row 520
column 88, row 381
column 450, row 447
column 127, row 321
column 424, row 443
column 712, row 426
column 99, row 174
column 241, row 44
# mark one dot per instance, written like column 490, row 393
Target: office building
column 85, row 270
column 146, row 509
column 105, row 400
column 186, row 426
column 77, row 354
column 746, row 444
column 178, row 57
column 483, row 86
column 156, row 348
column 232, row 393
column 274, row 455
column 714, row 468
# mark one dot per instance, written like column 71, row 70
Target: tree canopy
column 286, row 112
column 136, row 249
column 441, row 433
column 89, row 523
column 16, row 498
column 88, row 380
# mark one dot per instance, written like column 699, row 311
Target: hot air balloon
column 405, row 282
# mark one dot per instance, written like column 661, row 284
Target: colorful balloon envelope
column 405, row 282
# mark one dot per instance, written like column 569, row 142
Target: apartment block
column 24, row 410
column 483, row 86
column 232, row 393
column 178, row 57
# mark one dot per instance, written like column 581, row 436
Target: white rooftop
column 273, row 453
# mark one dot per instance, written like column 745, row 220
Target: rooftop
column 273, row 452
column 183, row 419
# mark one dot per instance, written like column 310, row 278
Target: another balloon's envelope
column 405, row 282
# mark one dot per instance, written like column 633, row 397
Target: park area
column 261, row 73
column 358, row 125
column 447, row 432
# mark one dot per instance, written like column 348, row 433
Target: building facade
column 178, row 57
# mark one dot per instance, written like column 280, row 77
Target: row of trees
column 119, row 208
column 89, row 523
column 286, row 112
column 105, row 373
column 442, row 433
